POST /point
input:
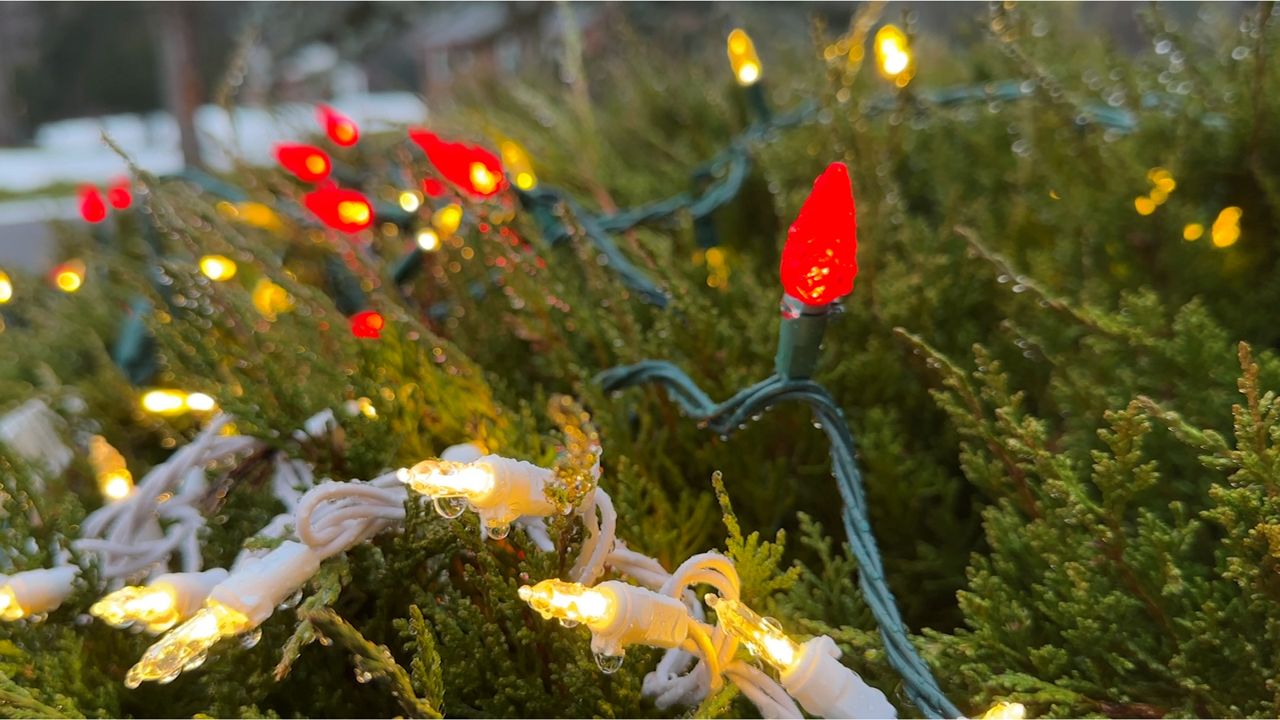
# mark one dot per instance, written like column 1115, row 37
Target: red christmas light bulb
column 119, row 195
column 470, row 167
column 820, row 258
column 368, row 324
column 337, row 126
column 344, row 210
column 307, row 162
column 433, row 188
column 92, row 209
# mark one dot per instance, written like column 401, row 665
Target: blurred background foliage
column 1070, row 460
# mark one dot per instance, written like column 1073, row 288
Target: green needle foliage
column 1066, row 412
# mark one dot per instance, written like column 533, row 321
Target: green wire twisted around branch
column 725, row 417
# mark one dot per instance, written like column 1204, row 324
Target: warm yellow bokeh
column 217, row 268
column 447, row 219
column 743, row 58
column 894, row 59
column 69, row 276
column 410, row 200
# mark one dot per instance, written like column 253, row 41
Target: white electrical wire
column 128, row 536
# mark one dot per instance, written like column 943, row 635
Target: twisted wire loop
column 725, row 417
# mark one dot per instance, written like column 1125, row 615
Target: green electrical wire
column 727, row 416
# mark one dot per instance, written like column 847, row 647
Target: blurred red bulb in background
column 92, row 209
column 119, row 195
column 470, row 167
column 345, row 210
column 368, row 324
column 307, row 162
column 337, row 126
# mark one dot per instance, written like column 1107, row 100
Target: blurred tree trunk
column 181, row 77
column 19, row 26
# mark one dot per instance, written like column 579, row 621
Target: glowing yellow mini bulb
column 115, row 482
column 10, row 610
column 164, row 402
column 6, row 288
column 743, row 58
column 569, row 601
column 199, row 402
column 447, row 219
column 428, row 240
column 481, row 179
column 517, row 164
column 69, row 276
column 1005, row 711
column 187, row 645
column 217, row 268
column 255, row 214
column 445, row 479
column 1144, row 205
column 410, row 200
column 763, row 637
column 116, row 485
column 270, row 299
column 152, row 606
column 893, row 55
column 1192, row 232
column 1226, row 228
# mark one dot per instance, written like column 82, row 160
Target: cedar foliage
column 1066, row 413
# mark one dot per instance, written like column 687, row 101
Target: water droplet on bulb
column 291, row 601
column 251, row 638
column 449, row 507
column 566, row 622
column 609, row 664
column 498, row 531
column 196, row 662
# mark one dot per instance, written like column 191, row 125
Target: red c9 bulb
column 337, row 126
column 92, row 209
column 307, row 162
column 470, row 167
column 344, row 210
column 820, row 258
column 368, row 324
column 119, row 196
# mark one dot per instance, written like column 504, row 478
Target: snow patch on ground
column 73, row 151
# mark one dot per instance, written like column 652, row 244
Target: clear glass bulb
column 762, row 636
column 568, row 601
column 446, row 479
column 153, row 607
column 187, row 645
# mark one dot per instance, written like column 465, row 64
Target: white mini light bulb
column 35, row 592
column 499, row 489
column 811, row 673
column 160, row 604
column 241, row 602
column 618, row 614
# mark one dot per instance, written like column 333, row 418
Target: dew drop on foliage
column 251, row 638
column 609, row 664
